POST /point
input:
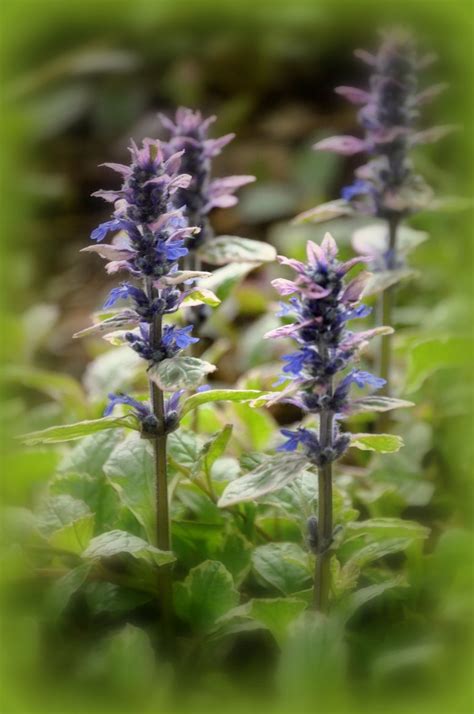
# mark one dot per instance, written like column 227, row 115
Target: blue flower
column 141, row 409
column 178, row 337
column 99, row 233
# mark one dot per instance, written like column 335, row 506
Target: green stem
column 322, row 581
column 322, row 577
column 163, row 538
column 385, row 310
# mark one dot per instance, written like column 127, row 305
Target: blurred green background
column 80, row 78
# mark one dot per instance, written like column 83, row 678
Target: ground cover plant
column 239, row 493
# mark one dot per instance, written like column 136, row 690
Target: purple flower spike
column 325, row 347
column 387, row 186
column 189, row 133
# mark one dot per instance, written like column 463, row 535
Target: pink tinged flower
column 180, row 181
column 229, row 183
column 316, row 255
column 213, row 147
column 357, row 338
column 109, row 252
column 172, row 164
column 329, row 246
column 430, row 136
column 292, row 263
column 226, row 201
column 120, row 168
column 426, row 60
column 345, row 145
column 366, row 57
column 353, row 95
column 348, row 264
column 282, row 331
column 116, row 266
column 427, row 95
column 285, row 287
column 311, row 290
column 355, row 288
column 109, row 196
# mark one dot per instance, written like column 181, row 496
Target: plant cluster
column 230, row 530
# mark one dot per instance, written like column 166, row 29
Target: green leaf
column 124, row 319
column 96, row 492
column 130, row 470
column 200, row 296
column 180, row 372
column 214, row 448
column 224, row 279
column 274, row 614
column 326, row 212
column 184, row 448
column 70, row 432
column 380, row 528
column 60, row 387
column 272, row 475
column 75, row 536
column 205, row 595
column 230, row 249
column 105, row 597
column 89, row 455
column 259, row 426
column 61, row 592
column 56, row 512
column 427, row 357
column 377, row 404
column 380, row 281
column 108, row 545
column 235, row 552
column 352, row 602
column 374, row 551
column 219, row 395
column 382, row 443
column 285, row 566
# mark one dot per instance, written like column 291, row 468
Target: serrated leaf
column 272, row 475
column 381, row 280
column 382, row 443
column 326, row 212
column 55, row 512
column 285, row 566
column 351, row 603
column 89, row 455
column 228, row 249
column 200, row 296
column 70, row 432
column 130, row 470
column 377, row 404
column 274, row 614
column 180, row 372
column 75, row 536
column 116, row 542
column 205, row 595
column 224, row 279
column 380, row 528
column 219, row 395
column 61, row 592
column 425, row 358
column 214, row 448
column 184, row 448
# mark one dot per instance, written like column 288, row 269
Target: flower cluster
column 189, row 132
column 150, row 240
column 387, row 186
column 322, row 304
column 144, row 413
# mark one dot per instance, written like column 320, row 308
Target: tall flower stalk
column 321, row 372
column 151, row 235
column 387, row 186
